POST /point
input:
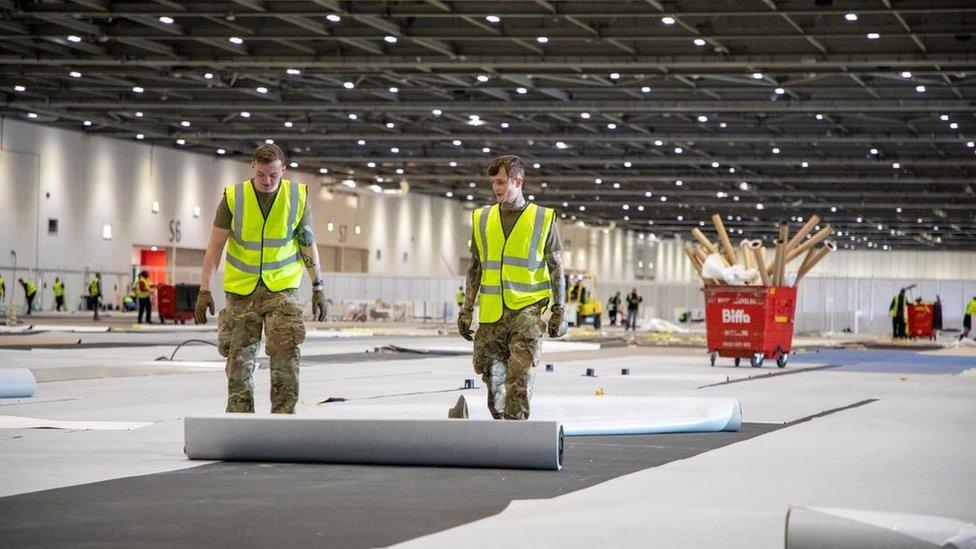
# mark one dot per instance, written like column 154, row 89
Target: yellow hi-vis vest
column 93, row 287
column 140, row 293
column 262, row 248
column 58, row 288
column 513, row 270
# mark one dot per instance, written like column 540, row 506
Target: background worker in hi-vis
column 270, row 226
column 516, row 269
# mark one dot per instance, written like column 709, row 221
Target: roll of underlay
column 17, row 383
column 822, row 528
column 603, row 415
column 440, row 442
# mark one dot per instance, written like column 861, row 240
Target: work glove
column 318, row 305
column 557, row 323
column 464, row 324
column 205, row 302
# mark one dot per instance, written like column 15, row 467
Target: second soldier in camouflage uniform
column 508, row 341
column 271, row 230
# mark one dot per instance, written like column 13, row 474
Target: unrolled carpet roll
column 823, row 528
column 17, row 383
column 446, row 442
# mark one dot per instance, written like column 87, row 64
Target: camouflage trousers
column 506, row 354
column 239, row 336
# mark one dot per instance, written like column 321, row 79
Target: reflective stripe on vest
column 513, row 270
column 263, row 248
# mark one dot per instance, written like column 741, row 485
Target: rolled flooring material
column 589, row 416
column 822, row 528
column 17, row 383
column 450, row 443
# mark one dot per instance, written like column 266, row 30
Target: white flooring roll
column 17, row 383
column 440, row 442
column 822, row 528
column 609, row 415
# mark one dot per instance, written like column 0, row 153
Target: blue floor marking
column 887, row 361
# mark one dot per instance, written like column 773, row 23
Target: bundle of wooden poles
column 751, row 254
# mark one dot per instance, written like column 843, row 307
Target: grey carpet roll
column 17, row 383
column 826, row 528
column 450, row 443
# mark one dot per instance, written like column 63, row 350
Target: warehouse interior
column 767, row 233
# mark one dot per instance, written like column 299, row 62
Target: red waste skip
column 754, row 322
column 175, row 303
column 920, row 320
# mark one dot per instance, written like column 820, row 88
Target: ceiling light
column 181, row 141
column 920, row 89
column 971, row 144
column 658, row 142
column 87, row 123
column 759, row 206
column 166, row 20
column 236, row 40
column 627, row 164
column 851, row 17
column 954, row 126
column 895, row 165
column 293, row 72
column 74, row 74
column 757, row 75
column 614, row 76
column 390, row 125
column 399, row 171
column 561, row 145
column 715, row 164
column 703, row 118
column 667, row 20
column 333, row 18
column 140, row 136
column 208, row 75
column 646, row 89
column 456, row 142
column 395, row 150
column 261, row 89
column 679, row 183
column 361, row 142
column 804, row 164
column 873, row 36
column 542, row 40
column 585, row 115
column 700, row 41
column 779, row 91
column 138, row 89
column 394, row 89
column 452, row 164
column 483, row 78
column 289, row 123
column 221, row 151
column 744, row 186
column 504, row 125
column 371, row 164
column 185, row 123
column 449, row 194
column 436, row 112
column 775, row 150
column 611, row 126
column 522, row 91
column 269, row 141
column 244, row 114
column 898, row 210
column 648, row 194
column 874, row 151
column 19, row 88
column 493, row 19
column 536, row 165
column 32, row 115
column 486, row 150
column 390, row 39
column 616, row 185
column 678, row 150
column 353, row 116
column 349, row 183
column 723, row 125
column 906, row 74
column 944, row 118
column 470, row 197
column 348, row 85
column 293, row 164
column 74, row 38
column 664, row 199
column 819, row 116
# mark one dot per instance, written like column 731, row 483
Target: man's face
column 505, row 189
column 267, row 176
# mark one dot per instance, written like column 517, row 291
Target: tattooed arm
column 309, row 252
column 557, row 282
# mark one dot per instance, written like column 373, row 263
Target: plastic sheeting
column 581, row 416
column 17, row 383
column 444, row 442
column 820, row 527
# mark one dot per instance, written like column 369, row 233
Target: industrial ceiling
column 645, row 115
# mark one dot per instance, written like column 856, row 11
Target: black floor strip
column 831, row 411
column 771, row 374
column 280, row 505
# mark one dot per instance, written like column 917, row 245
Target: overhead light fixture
column 819, row 116
column 452, row 164
column 208, row 75
column 482, row 78
column 289, row 123
column 394, row 89
column 395, row 150
column 348, row 85
column 449, row 194
column 166, row 20
column 521, row 90
column 323, row 171
column 757, row 75
column 873, row 151
column 486, row 150
column 470, row 197
column 334, row 18
column 221, row 151
column 658, row 143
column 646, row 89
column 851, row 17
column 353, row 116
column 390, row 39
column 140, row 136
column 349, row 183
column 494, row 19
column 86, row 123
column 74, row 38
column 138, row 89
column 614, row 76
column 779, row 91
column 702, row 118
column 269, row 141
column 700, row 41
column 679, row 183
column 627, row 164
column 715, row 164
column 775, row 150
column 32, row 115
column 19, row 88
column 261, row 89
column 954, row 126
column 293, row 164
column 723, row 125
column 181, row 141
column 456, row 142
column 873, row 36
column 584, row 115
column 678, row 150
column 611, row 126
column 244, row 114
column 804, row 164
column 542, row 40
column 759, row 206
column 906, row 74
column 361, row 142
column 920, row 89
column 667, row 20
column 185, row 123
column 138, row 114
column 896, row 165
column 293, row 72
column 74, row 74
column 944, row 118
column 236, row 40
column 436, row 112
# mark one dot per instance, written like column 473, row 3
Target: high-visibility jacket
column 94, row 288
column 459, row 296
column 143, row 288
column 513, row 270
column 263, row 248
column 58, row 288
column 30, row 288
column 899, row 306
column 971, row 308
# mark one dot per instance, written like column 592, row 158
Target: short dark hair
column 512, row 164
column 267, row 154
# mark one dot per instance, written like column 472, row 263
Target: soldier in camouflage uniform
column 517, row 269
column 270, row 228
